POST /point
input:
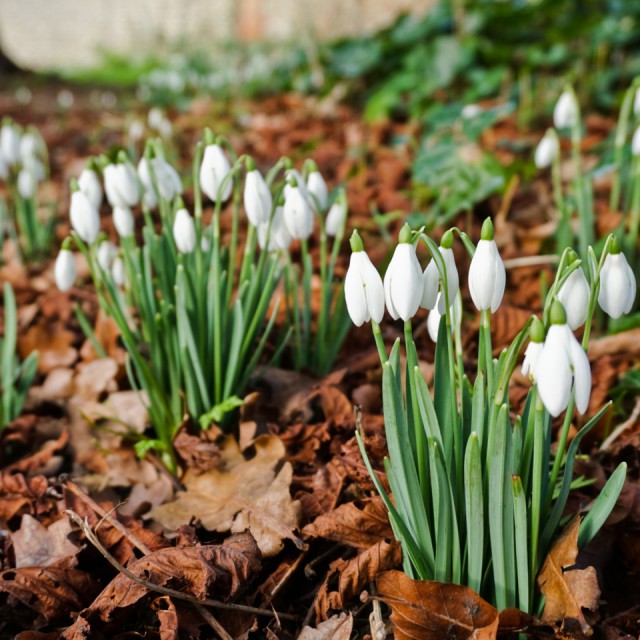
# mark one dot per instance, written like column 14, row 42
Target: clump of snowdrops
column 195, row 308
column 23, row 166
column 478, row 496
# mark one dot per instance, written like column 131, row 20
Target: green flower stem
column 377, row 334
column 621, row 137
column 485, row 357
column 564, row 234
column 536, row 490
column 585, row 212
column 325, row 296
column 634, row 209
column 307, row 273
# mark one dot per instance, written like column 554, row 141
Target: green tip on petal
column 356, row 242
column 73, row 185
column 66, row 245
column 572, row 256
column 123, row 158
column 447, row 240
column 250, row 164
column 92, row 165
column 149, row 150
column 536, row 331
column 614, row 246
column 557, row 314
column 287, row 164
column 487, row 232
column 179, row 203
column 313, row 167
column 404, row 236
column 208, row 136
column 292, row 182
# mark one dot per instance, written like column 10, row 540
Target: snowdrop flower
column 85, row 219
column 155, row 118
column 10, row 143
column 30, row 147
column 433, row 321
column 363, row 288
column 547, row 150
column 574, row 295
column 294, row 177
column 470, row 111
column 278, row 235
column 89, row 184
column 433, row 283
column 167, row 179
column 298, row 216
column 117, row 271
column 561, row 364
column 334, row 222
column 257, row 197
column 317, row 188
column 65, row 268
column 487, row 274
column 123, row 221
column 635, row 142
column 136, row 130
column 107, row 251
column 565, row 113
column 184, row 231
column 214, row 169
column 121, row 185
column 617, row 283
column 403, row 283
column 27, row 183
column 4, row 167
column 534, row 348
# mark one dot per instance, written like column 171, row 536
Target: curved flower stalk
column 23, row 166
column 478, row 496
column 433, row 281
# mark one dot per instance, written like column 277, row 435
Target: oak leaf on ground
column 35, row 545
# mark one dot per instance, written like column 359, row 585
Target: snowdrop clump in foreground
column 23, row 167
column 478, row 495
column 197, row 307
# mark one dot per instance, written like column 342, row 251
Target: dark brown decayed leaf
column 567, row 591
column 425, row 610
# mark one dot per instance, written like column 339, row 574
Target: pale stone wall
column 54, row 34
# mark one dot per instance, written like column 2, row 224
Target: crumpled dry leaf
column 55, row 346
column 217, row 571
column 35, row 545
column 337, row 627
column 426, row 610
column 53, row 592
column 241, row 494
column 20, row 494
column 567, row 591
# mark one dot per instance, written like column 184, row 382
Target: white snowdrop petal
column 85, row 219
column 123, row 221
column 89, row 183
column 430, row 283
column 317, row 187
column 574, row 296
column 553, row 372
column 65, row 270
column 581, row 375
column 354, row 291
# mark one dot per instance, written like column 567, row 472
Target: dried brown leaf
column 55, row 346
column 241, row 494
column 567, row 591
column 35, row 545
column 425, row 610
column 337, row 627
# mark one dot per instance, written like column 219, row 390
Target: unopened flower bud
column 184, row 231
column 65, row 269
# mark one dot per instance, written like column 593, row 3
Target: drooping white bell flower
column 534, row 349
column 85, row 219
column 10, row 143
column 298, row 216
column 107, row 252
column 136, row 130
column 277, row 234
column 117, row 271
column 635, row 142
column 214, row 169
column 27, row 183
column 433, row 283
column 433, row 320
column 574, row 295
column 617, row 283
column 30, row 147
column 336, row 216
column 89, row 183
column 169, row 182
column 123, row 221
column 547, row 150
column 155, row 118
column 257, row 197
column 184, row 231
column 317, row 189
column 487, row 274
column 121, row 185
column 470, row 111
column 65, row 268
column 562, row 363
column 363, row 288
column 565, row 113
column 403, row 282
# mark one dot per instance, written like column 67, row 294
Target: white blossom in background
column 136, row 130
column 487, row 276
column 565, row 113
column 617, row 284
column 10, row 143
column 27, row 183
column 117, row 271
column 184, row 231
column 635, row 142
column 107, row 252
column 4, row 168
column 547, row 150
column 121, row 185
column 298, row 216
column 123, row 221
column 65, row 270
column 403, row 281
column 278, row 235
column 85, row 219
column 561, row 365
column 534, row 349
column 363, row 288
column 214, row 169
column 257, row 198
column 470, row 111
column 317, row 188
column 169, row 182
column 89, row 184
column 336, row 217
column 574, row 295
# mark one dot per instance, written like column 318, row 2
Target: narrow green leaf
column 474, row 509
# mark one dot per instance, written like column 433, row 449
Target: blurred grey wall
column 53, row 34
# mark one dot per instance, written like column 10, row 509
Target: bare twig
column 530, row 261
column 93, row 539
